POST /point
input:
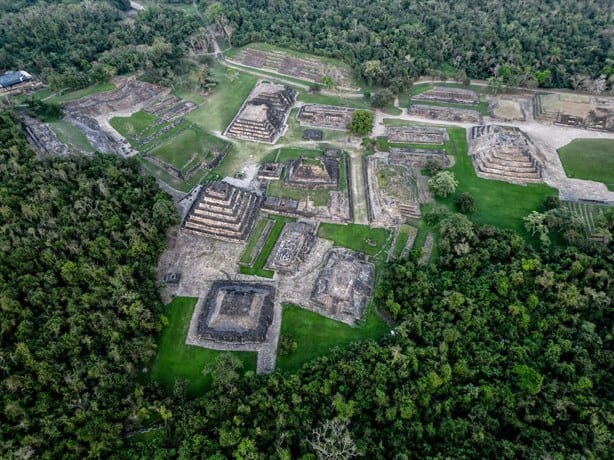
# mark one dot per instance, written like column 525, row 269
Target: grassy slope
column 498, row 203
column 176, row 360
column 132, row 125
column 591, row 159
column 316, row 335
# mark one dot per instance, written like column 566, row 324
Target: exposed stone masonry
column 504, row 153
column 263, row 116
column 223, row 211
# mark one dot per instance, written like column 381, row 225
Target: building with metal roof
column 13, row 78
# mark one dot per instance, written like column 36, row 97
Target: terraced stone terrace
column 583, row 111
column 263, row 115
column 449, row 95
column 445, row 113
column 417, row 135
column 325, row 116
column 504, row 153
column 224, row 212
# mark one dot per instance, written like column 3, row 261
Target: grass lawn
column 319, row 197
column 591, row 159
column 371, row 241
column 258, row 268
column 248, row 254
column 71, row 136
column 352, row 102
column 498, row 203
column 404, row 232
column 316, row 335
column 188, row 147
column 72, row 95
column 183, row 186
column 292, row 153
column 132, row 125
column 218, row 109
column 176, row 360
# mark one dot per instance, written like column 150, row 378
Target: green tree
column 362, row 122
column 443, row 183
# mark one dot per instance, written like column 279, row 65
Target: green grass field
column 292, row 153
column 176, row 360
column 258, row 268
column 133, row 125
column 72, row 95
column 404, row 232
column 371, row 241
column 71, row 135
column 316, row 335
column 498, row 203
column 218, row 109
column 591, row 159
column 248, row 253
column 188, row 147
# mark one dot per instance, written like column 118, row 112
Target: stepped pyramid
column 504, row 153
column 263, row 116
column 223, row 211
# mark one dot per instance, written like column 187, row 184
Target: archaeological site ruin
column 263, row 115
column 504, row 153
column 325, row 116
column 583, row 111
column 343, row 286
column 417, row 135
column 236, row 312
column 445, row 113
column 292, row 247
column 449, row 95
column 223, row 211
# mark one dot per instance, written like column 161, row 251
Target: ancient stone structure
column 582, row 111
column 236, row 312
column 417, row 158
column 42, row 138
column 417, row 135
column 223, row 211
column 504, row 153
column 396, row 201
column 450, row 95
column 313, row 134
column 313, row 173
column 445, row 113
column 325, row 116
column 343, row 287
column 280, row 206
column 292, row 247
column 170, row 107
column 129, row 94
column 172, row 278
column 263, row 115
column 306, row 68
column 270, row 171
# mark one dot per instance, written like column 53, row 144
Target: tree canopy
column 79, row 243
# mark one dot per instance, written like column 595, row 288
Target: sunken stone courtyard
column 236, row 312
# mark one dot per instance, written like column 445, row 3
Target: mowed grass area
column 372, row 241
column 189, row 147
column 258, row 268
column 591, row 159
column 248, row 254
column 405, row 231
column 71, row 136
column 134, row 125
column 498, row 203
column 405, row 100
column 177, row 361
column 218, row 109
column 317, row 336
column 59, row 97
